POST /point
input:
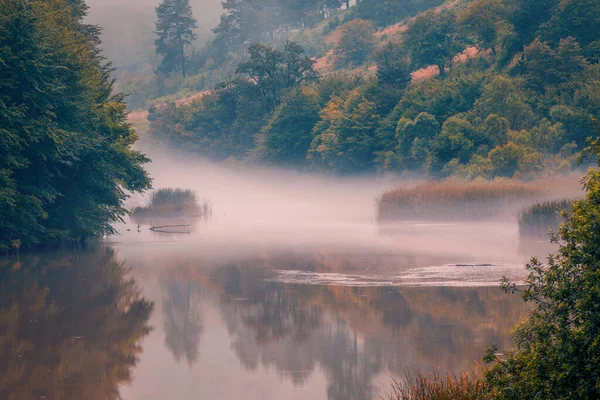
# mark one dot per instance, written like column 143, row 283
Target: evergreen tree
column 65, row 155
column 175, row 30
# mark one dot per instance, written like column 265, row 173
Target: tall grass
column 539, row 218
column 465, row 386
column 455, row 199
column 173, row 203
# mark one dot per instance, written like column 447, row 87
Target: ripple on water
column 455, row 275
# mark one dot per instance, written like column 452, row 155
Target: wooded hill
column 485, row 88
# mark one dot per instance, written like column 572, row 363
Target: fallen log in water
column 168, row 226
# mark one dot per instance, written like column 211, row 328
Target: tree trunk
column 182, row 50
column 442, row 69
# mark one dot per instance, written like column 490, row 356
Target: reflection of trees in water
column 354, row 334
column 70, row 326
column 182, row 321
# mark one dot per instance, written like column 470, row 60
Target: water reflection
column 73, row 326
column 183, row 323
column 70, row 326
column 352, row 338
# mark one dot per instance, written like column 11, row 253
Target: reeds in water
column 465, row 386
column 456, row 199
column 538, row 219
column 174, row 203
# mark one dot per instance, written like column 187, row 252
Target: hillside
column 465, row 88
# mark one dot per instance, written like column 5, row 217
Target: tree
column 393, row 66
column 288, row 135
column 175, row 30
column 457, row 140
column 356, row 44
column 558, row 343
column 414, row 137
column 272, row 73
column 484, row 20
column 577, row 18
column 65, row 145
column 431, row 40
column 505, row 160
column 345, row 139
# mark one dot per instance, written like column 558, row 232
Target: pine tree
column 175, row 29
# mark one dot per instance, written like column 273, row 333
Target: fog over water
column 291, row 290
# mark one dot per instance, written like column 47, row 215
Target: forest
column 479, row 89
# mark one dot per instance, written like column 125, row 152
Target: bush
column 174, row 203
column 456, row 199
column 539, row 218
column 557, row 345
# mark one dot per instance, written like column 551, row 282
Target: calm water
column 276, row 297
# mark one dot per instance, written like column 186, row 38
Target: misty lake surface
column 290, row 291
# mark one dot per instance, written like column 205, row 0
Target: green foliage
column 393, row 66
column 558, row 342
column 224, row 123
column 356, row 45
column 520, row 113
column 65, row 145
column 484, row 22
column 431, row 39
column 345, row 139
column 273, row 72
column 386, row 12
column 175, row 29
column 288, row 134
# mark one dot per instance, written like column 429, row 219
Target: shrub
column 174, row 203
column 539, row 218
column 456, row 199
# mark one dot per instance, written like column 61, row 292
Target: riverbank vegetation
column 457, row 199
column 492, row 97
column 464, row 386
column 66, row 160
column 557, row 342
column 540, row 218
column 165, row 203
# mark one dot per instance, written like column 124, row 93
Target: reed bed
column 538, row 219
column 465, row 386
column 174, row 203
column 458, row 199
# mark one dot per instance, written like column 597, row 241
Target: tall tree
column 357, row 43
column 65, row 145
column 273, row 73
column 431, row 39
column 175, row 30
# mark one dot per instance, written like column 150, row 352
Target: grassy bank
column 538, row 219
column 165, row 203
column 458, row 199
column 466, row 386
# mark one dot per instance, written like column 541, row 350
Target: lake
column 290, row 291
